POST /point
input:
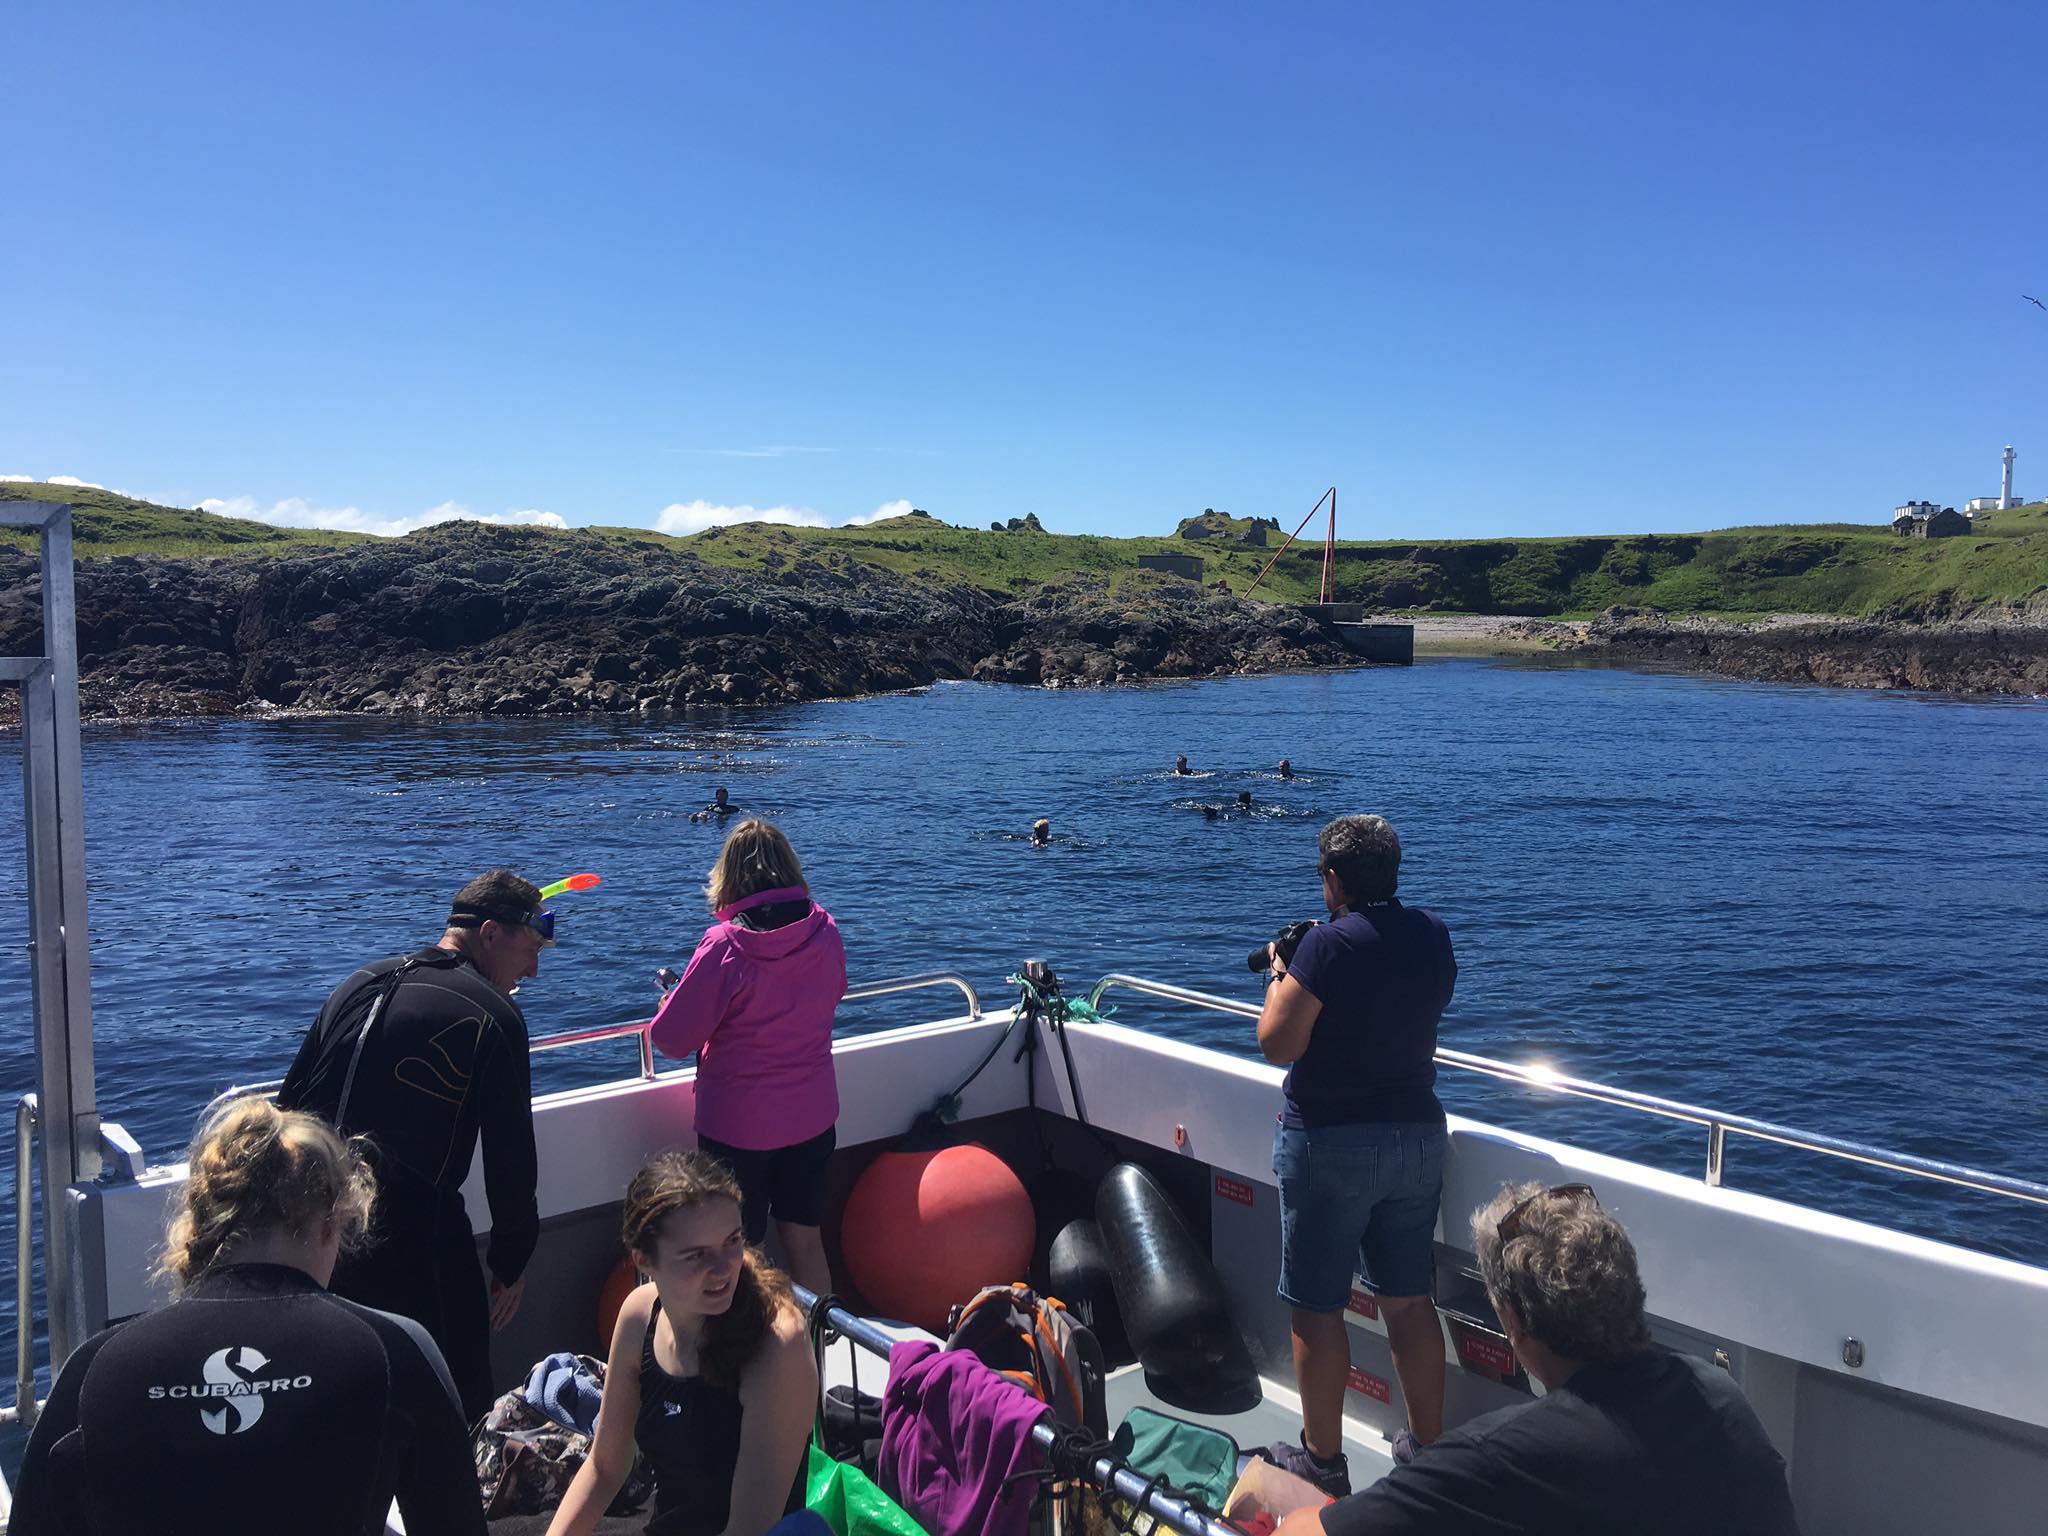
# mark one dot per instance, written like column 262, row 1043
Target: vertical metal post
column 24, row 1263
column 647, row 1055
column 59, row 966
column 1717, row 1146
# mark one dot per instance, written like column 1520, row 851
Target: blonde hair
column 257, row 1168
column 756, row 857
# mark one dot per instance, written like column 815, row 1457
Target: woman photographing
column 756, row 1005
column 254, row 1398
column 710, row 1370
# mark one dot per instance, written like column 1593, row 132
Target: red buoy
column 618, row 1285
column 923, row 1231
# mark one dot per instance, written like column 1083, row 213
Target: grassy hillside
column 106, row 524
column 1840, row 568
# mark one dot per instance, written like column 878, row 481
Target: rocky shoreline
column 466, row 618
column 472, row 619
column 2003, row 653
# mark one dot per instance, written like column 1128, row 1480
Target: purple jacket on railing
column 953, row 1432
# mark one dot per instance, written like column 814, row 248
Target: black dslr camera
column 1287, row 942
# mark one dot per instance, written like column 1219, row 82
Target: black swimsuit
column 689, row 1431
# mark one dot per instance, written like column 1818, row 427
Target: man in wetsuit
column 1627, row 1437
column 420, row 1053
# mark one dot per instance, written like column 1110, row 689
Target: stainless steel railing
column 575, row 1037
column 24, row 1410
column 1718, row 1125
column 1168, row 1510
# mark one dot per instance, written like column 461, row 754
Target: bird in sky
column 2034, row 301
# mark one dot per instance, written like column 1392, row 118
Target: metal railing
column 1718, row 1125
column 24, row 1410
column 1107, row 1473
column 575, row 1037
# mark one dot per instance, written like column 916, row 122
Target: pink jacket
column 759, row 1005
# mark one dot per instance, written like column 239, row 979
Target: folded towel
column 568, row 1389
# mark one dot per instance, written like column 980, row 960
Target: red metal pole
column 1329, row 496
column 1330, row 545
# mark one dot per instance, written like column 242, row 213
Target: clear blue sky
column 1491, row 269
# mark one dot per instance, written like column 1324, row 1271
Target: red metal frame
column 1329, row 545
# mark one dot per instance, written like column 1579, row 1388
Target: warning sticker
column 1228, row 1188
column 1370, row 1385
column 1487, row 1354
column 1364, row 1303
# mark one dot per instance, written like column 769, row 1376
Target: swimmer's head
column 719, row 796
column 1286, row 769
column 1180, row 764
column 1041, row 830
column 1244, row 799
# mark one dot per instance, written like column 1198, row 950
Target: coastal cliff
column 465, row 618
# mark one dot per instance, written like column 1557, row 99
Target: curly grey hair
column 1364, row 853
column 1569, row 1273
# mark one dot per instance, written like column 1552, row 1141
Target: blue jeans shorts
column 1362, row 1196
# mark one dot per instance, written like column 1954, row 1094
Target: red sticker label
column 1233, row 1189
column 1363, row 1304
column 1488, row 1354
column 1370, row 1385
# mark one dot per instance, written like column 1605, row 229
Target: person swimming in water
column 1286, row 769
column 1244, row 801
column 721, row 805
column 1041, row 832
column 1180, row 764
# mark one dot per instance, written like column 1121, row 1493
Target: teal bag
column 1193, row 1458
column 848, row 1501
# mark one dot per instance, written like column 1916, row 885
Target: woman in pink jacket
column 755, row 1006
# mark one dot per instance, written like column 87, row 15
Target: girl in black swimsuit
column 710, row 1371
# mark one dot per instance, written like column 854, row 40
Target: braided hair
column 257, row 1168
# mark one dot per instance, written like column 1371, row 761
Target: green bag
column 850, row 1502
column 1191, row 1457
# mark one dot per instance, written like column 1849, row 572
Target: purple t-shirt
column 1383, row 973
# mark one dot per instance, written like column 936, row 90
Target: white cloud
column 687, row 517
column 886, row 509
column 297, row 512
column 89, row 485
column 26, row 479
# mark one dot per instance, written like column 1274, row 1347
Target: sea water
column 1811, row 906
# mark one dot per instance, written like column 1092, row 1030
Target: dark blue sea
column 1814, row 906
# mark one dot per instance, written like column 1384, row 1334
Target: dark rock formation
column 1028, row 523
column 1975, row 655
column 469, row 619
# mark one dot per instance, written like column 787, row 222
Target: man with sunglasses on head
column 1359, row 1151
column 1628, row 1437
column 420, row 1054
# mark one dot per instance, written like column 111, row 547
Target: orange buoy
column 923, row 1231
column 618, row 1285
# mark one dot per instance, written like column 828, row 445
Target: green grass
column 1835, row 568
column 104, row 524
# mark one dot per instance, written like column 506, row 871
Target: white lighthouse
column 2005, row 485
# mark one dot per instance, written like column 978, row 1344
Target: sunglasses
column 1510, row 1226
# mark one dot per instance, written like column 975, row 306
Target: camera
column 1287, row 941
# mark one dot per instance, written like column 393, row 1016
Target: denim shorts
column 1357, row 1196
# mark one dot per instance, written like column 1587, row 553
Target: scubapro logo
column 230, row 1374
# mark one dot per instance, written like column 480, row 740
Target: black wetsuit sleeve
column 48, row 1491
column 437, row 1488
column 511, row 1167
column 292, row 1095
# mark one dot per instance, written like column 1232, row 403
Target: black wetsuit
column 447, row 1059
column 255, row 1402
column 689, row 1431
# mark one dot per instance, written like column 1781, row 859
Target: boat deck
column 1276, row 1417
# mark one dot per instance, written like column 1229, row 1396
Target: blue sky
column 1490, row 269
